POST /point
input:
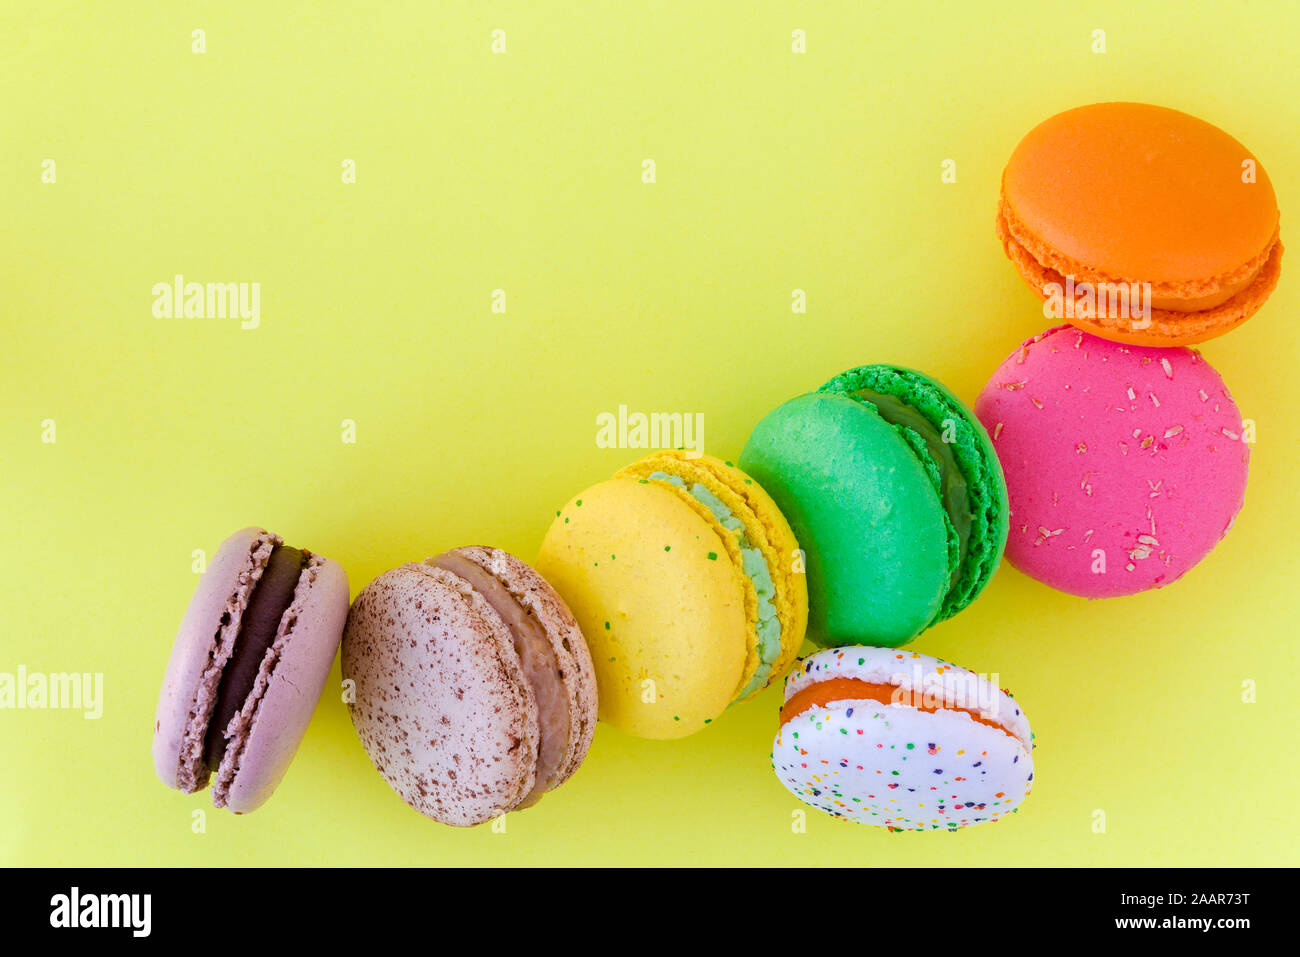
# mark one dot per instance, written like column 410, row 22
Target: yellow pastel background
column 479, row 171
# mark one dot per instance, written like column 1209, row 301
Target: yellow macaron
column 689, row 587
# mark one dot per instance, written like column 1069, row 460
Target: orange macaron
column 1140, row 223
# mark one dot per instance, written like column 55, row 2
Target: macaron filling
column 755, row 568
column 540, row 667
column 267, row 604
column 1171, row 296
column 823, row 694
column 953, row 488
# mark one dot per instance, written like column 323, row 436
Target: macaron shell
column 571, row 653
column 975, row 458
column 866, row 512
column 1136, row 191
column 665, row 622
column 222, row 589
column 898, row 766
column 766, row 529
column 441, row 705
column 1124, row 464
column 289, row 689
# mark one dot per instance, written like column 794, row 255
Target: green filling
column 755, row 568
column 955, row 494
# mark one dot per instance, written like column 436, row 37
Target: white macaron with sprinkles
column 901, row 740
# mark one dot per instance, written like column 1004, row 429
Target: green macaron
column 892, row 487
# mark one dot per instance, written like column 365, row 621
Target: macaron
column 688, row 584
column 892, row 487
column 1125, row 464
column 473, row 692
column 248, row 664
column 901, row 740
column 1117, row 195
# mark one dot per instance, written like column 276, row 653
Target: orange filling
column 821, row 694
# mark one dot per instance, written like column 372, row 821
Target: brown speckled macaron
column 474, row 691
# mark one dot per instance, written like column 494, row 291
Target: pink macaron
column 248, row 664
column 1125, row 465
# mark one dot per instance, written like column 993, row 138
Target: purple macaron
column 248, row 665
